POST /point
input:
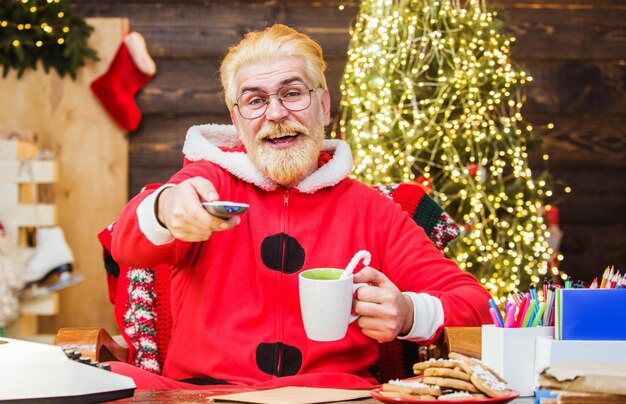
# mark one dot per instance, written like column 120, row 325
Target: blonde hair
column 274, row 42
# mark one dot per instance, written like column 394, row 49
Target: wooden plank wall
column 574, row 49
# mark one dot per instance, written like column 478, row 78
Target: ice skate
column 50, row 269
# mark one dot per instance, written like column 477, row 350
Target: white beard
column 288, row 166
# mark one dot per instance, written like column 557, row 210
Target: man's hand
column 384, row 311
column 180, row 209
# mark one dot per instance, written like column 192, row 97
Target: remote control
column 225, row 209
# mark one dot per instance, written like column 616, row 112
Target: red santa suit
column 234, row 298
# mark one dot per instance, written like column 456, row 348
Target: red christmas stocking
column 131, row 68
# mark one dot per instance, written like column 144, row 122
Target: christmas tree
column 46, row 30
column 430, row 94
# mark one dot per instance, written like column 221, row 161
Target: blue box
column 590, row 314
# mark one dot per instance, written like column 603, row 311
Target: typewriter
column 34, row 372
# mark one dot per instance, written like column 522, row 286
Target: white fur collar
column 204, row 142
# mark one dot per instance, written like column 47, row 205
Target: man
column 234, row 284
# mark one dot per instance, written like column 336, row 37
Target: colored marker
column 568, row 283
column 549, row 305
column 494, row 317
column 517, row 297
column 537, row 319
column 494, row 306
column 509, row 317
column 529, row 313
column 522, row 310
column 533, row 292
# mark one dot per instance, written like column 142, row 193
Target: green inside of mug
column 324, row 274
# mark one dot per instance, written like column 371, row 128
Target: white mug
column 326, row 303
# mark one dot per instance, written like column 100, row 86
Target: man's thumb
column 204, row 188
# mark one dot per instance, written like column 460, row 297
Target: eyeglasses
column 294, row 97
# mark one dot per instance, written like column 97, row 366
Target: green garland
column 46, row 30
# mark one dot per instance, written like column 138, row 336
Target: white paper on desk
column 294, row 395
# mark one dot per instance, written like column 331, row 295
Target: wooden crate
column 26, row 202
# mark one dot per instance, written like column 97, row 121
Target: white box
column 511, row 353
column 551, row 352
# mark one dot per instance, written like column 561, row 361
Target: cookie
column 419, row 367
column 486, row 382
column 459, row 377
column 451, row 383
column 404, row 396
column 411, row 387
column 479, row 396
column 462, row 395
column 468, row 363
column 455, row 373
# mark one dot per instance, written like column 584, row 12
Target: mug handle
column 355, row 287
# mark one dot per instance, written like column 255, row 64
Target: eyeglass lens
column 295, row 97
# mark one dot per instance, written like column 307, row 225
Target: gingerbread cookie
column 404, row 396
column 462, row 395
column 486, row 382
column 419, row 367
column 411, row 387
column 451, row 383
column 455, row 373
column 468, row 363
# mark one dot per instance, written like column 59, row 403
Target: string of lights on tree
column 429, row 94
column 46, row 30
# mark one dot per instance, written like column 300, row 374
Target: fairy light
column 429, row 91
column 50, row 32
column 43, row 30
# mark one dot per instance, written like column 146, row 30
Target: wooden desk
column 202, row 396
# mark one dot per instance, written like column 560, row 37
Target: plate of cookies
column 458, row 379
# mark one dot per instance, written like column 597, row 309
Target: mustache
column 274, row 130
